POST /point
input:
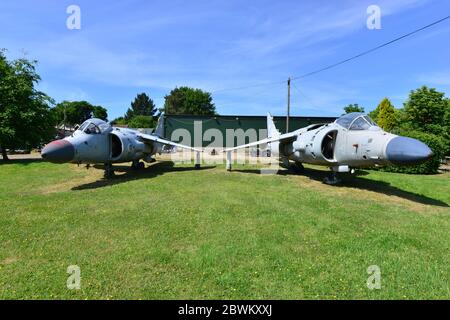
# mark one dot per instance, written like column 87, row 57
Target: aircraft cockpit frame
column 94, row 126
column 356, row 121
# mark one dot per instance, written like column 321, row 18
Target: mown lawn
column 171, row 232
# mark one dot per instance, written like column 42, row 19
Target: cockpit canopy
column 356, row 121
column 94, row 126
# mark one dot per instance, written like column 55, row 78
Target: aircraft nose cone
column 407, row 151
column 58, row 151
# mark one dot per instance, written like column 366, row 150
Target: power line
column 337, row 63
column 370, row 50
column 304, row 96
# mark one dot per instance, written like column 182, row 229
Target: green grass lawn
column 171, row 232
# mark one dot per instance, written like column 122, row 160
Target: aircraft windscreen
column 346, row 120
column 360, row 124
column 369, row 120
column 356, row 121
column 83, row 126
column 92, row 129
column 104, row 127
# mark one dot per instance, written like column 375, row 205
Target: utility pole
column 288, row 104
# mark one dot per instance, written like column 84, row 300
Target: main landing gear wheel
column 109, row 171
column 332, row 179
column 138, row 165
column 297, row 167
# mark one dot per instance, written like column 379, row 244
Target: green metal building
column 224, row 123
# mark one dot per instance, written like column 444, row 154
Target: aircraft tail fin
column 159, row 131
column 272, row 131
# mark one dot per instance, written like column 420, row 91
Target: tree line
column 183, row 100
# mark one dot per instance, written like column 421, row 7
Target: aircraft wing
column 149, row 137
column 287, row 137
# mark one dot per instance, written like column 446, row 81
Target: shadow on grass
column 151, row 171
column 361, row 183
column 21, row 161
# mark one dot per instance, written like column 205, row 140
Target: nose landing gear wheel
column 332, row 179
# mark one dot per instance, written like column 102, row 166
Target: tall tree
column 353, row 108
column 185, row 100
column 76, row 112
column 25, row 117
column 100, row 113
column 386, row 117
column 374, row 114
column 425, row 109
column 142, row 105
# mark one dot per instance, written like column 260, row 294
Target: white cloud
column 212, row 46
column 253, row 53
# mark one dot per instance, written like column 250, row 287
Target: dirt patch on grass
column 88, row 176
column 9, row 260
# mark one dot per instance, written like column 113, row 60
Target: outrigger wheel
column 198, row 160
column 109, row 171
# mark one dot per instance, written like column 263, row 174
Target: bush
column 436, row 143
column 141, row 122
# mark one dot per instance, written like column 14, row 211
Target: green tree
column 425, row 109
column 25, row 116
column 425, row 116
column 387, row 117
column 100, row 113
column 353, row 108
column 141, row 106
column 141, row 122
column 374, row 114
column 185, row 100
column 76, row 112
column 428, row 110
column 447, row 126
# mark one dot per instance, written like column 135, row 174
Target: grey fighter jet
column 96, row 141
column 352, row 141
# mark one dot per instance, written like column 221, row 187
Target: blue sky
column 127, row 47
